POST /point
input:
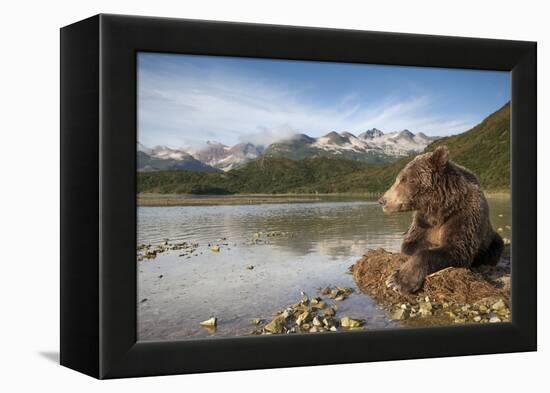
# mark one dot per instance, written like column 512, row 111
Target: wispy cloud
column 182, row 109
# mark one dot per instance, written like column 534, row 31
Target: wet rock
column 494, row 320
column 303, row 318
column 348, row 322
column 143, row 300
column 317, row 322
column 334, row 293
column 329, row 322
column 319, row 305
column 345, row 290
column 250, row 267
column 325, row 291
column 477, row 318
column 315, row 300
column 215, row 248
column 400, row 314
column 287, row 313
column 256, row 321
column 329, row 312
column 210, row 322
column 276, row 325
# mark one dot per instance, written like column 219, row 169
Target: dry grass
column 451, row 285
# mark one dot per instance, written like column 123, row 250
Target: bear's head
column 417, row 183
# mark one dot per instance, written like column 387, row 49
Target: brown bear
column 450, row 225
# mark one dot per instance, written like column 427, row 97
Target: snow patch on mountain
column 401, row 143
column 214, row 154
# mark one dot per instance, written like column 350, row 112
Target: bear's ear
column 440, row 157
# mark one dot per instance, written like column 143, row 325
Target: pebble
column 494, row 320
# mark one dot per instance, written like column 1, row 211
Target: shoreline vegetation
column 150, row 199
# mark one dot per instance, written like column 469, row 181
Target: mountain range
column 372, row 146
column 484, row 149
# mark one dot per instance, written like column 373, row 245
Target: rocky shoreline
column 315, row 315
column 450, row 296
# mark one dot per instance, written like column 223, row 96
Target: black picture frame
column 98, row 197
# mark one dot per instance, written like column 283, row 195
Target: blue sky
column 185, row 100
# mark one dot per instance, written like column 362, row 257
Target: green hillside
column 267, row 175
column 485, row 149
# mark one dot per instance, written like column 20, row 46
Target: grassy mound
column 452, row 295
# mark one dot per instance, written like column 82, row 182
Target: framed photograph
column 239, row 196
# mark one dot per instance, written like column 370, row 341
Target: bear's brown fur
column 450, row 226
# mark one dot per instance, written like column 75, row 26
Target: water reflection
column 323, row 240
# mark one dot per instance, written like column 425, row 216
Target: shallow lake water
column 321, row 241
